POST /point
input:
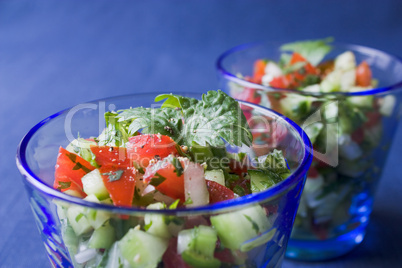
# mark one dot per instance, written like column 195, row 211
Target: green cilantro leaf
column 79, row 216
column 208, row 121
column 174, row 204
column 165, row 121
column 64, row 185
column 253, row 223
column 147, row 226
column 157, row 179
column 78, row 165
column 115, row 133
column 72, row 157
column 114, row 175
column 188, row 201
column 178, row 168
column 217, row 116
column 313, row 50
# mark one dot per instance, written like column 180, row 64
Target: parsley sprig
column 214, row 119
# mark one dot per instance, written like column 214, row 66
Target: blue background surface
column 55, row 54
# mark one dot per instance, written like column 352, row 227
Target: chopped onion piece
column 158, row 196
column 85, row 255
column 195, row 187
column 148, row 189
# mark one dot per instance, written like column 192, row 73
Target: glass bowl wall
column 275, row 208
column 351, row 135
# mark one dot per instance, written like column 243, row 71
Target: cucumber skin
column 199, row 261
column 261, row 180
column 103, row 237
column 235, row 228
column 201, row 239
column 77, row 219
column 93, row 184
column 158, row 226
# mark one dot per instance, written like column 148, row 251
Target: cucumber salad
column 175, row 156
column 333, row 193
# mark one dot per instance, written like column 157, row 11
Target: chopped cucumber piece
column 199, row 261
column 348, row 79
column 70, row 240
column 215, row 175
column 332, row 82
column 313, row 130
column 73, row 193
column 77, row 218
column 258, row 241
column 276, row 162
column 261, row 180
column 103, row 237
column 142, row 249
column 235, row 228
column 387, row 105
column 95, row 217
column 296, row 107
column 345, row 61
column 361, row 101
column 348, row 148
column 93, row 184
column 114, row 258
column 155, row 223
column 197, row 246
column 201, row 239
column 82, row 147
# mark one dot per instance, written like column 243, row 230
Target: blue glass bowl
column 348, row 156
column 36, row 159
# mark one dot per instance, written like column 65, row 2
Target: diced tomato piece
column 218, row 192
column 373, row 118
column 194, row 221
column 313, row 173
column 171, row 259
column 224, row 255
column 259, row 70
column 238, row 167
column 110, row 155
column 143, row 148
column 120, row 183
column 64, row 183
column 296, row 57
column 363, row 74
column 358, row 135
column 280, row 82
column 274, row 99
column 309, row 68
column 70, row 167
column 166, row 177
column 250, row 95
column 321, row 230
column 271, row 209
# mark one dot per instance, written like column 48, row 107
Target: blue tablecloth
column 55, row 54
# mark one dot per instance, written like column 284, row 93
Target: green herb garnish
column 215, row 118
column 64, row 185
column 313, row 51
column 157, row 179
column 79, row 216
column 114, row 175
column 253, row 223
column 78, row 165
column 147, row 226
column 178, row 168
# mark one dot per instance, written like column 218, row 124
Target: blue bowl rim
column 34, row 181
column 358, row 48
